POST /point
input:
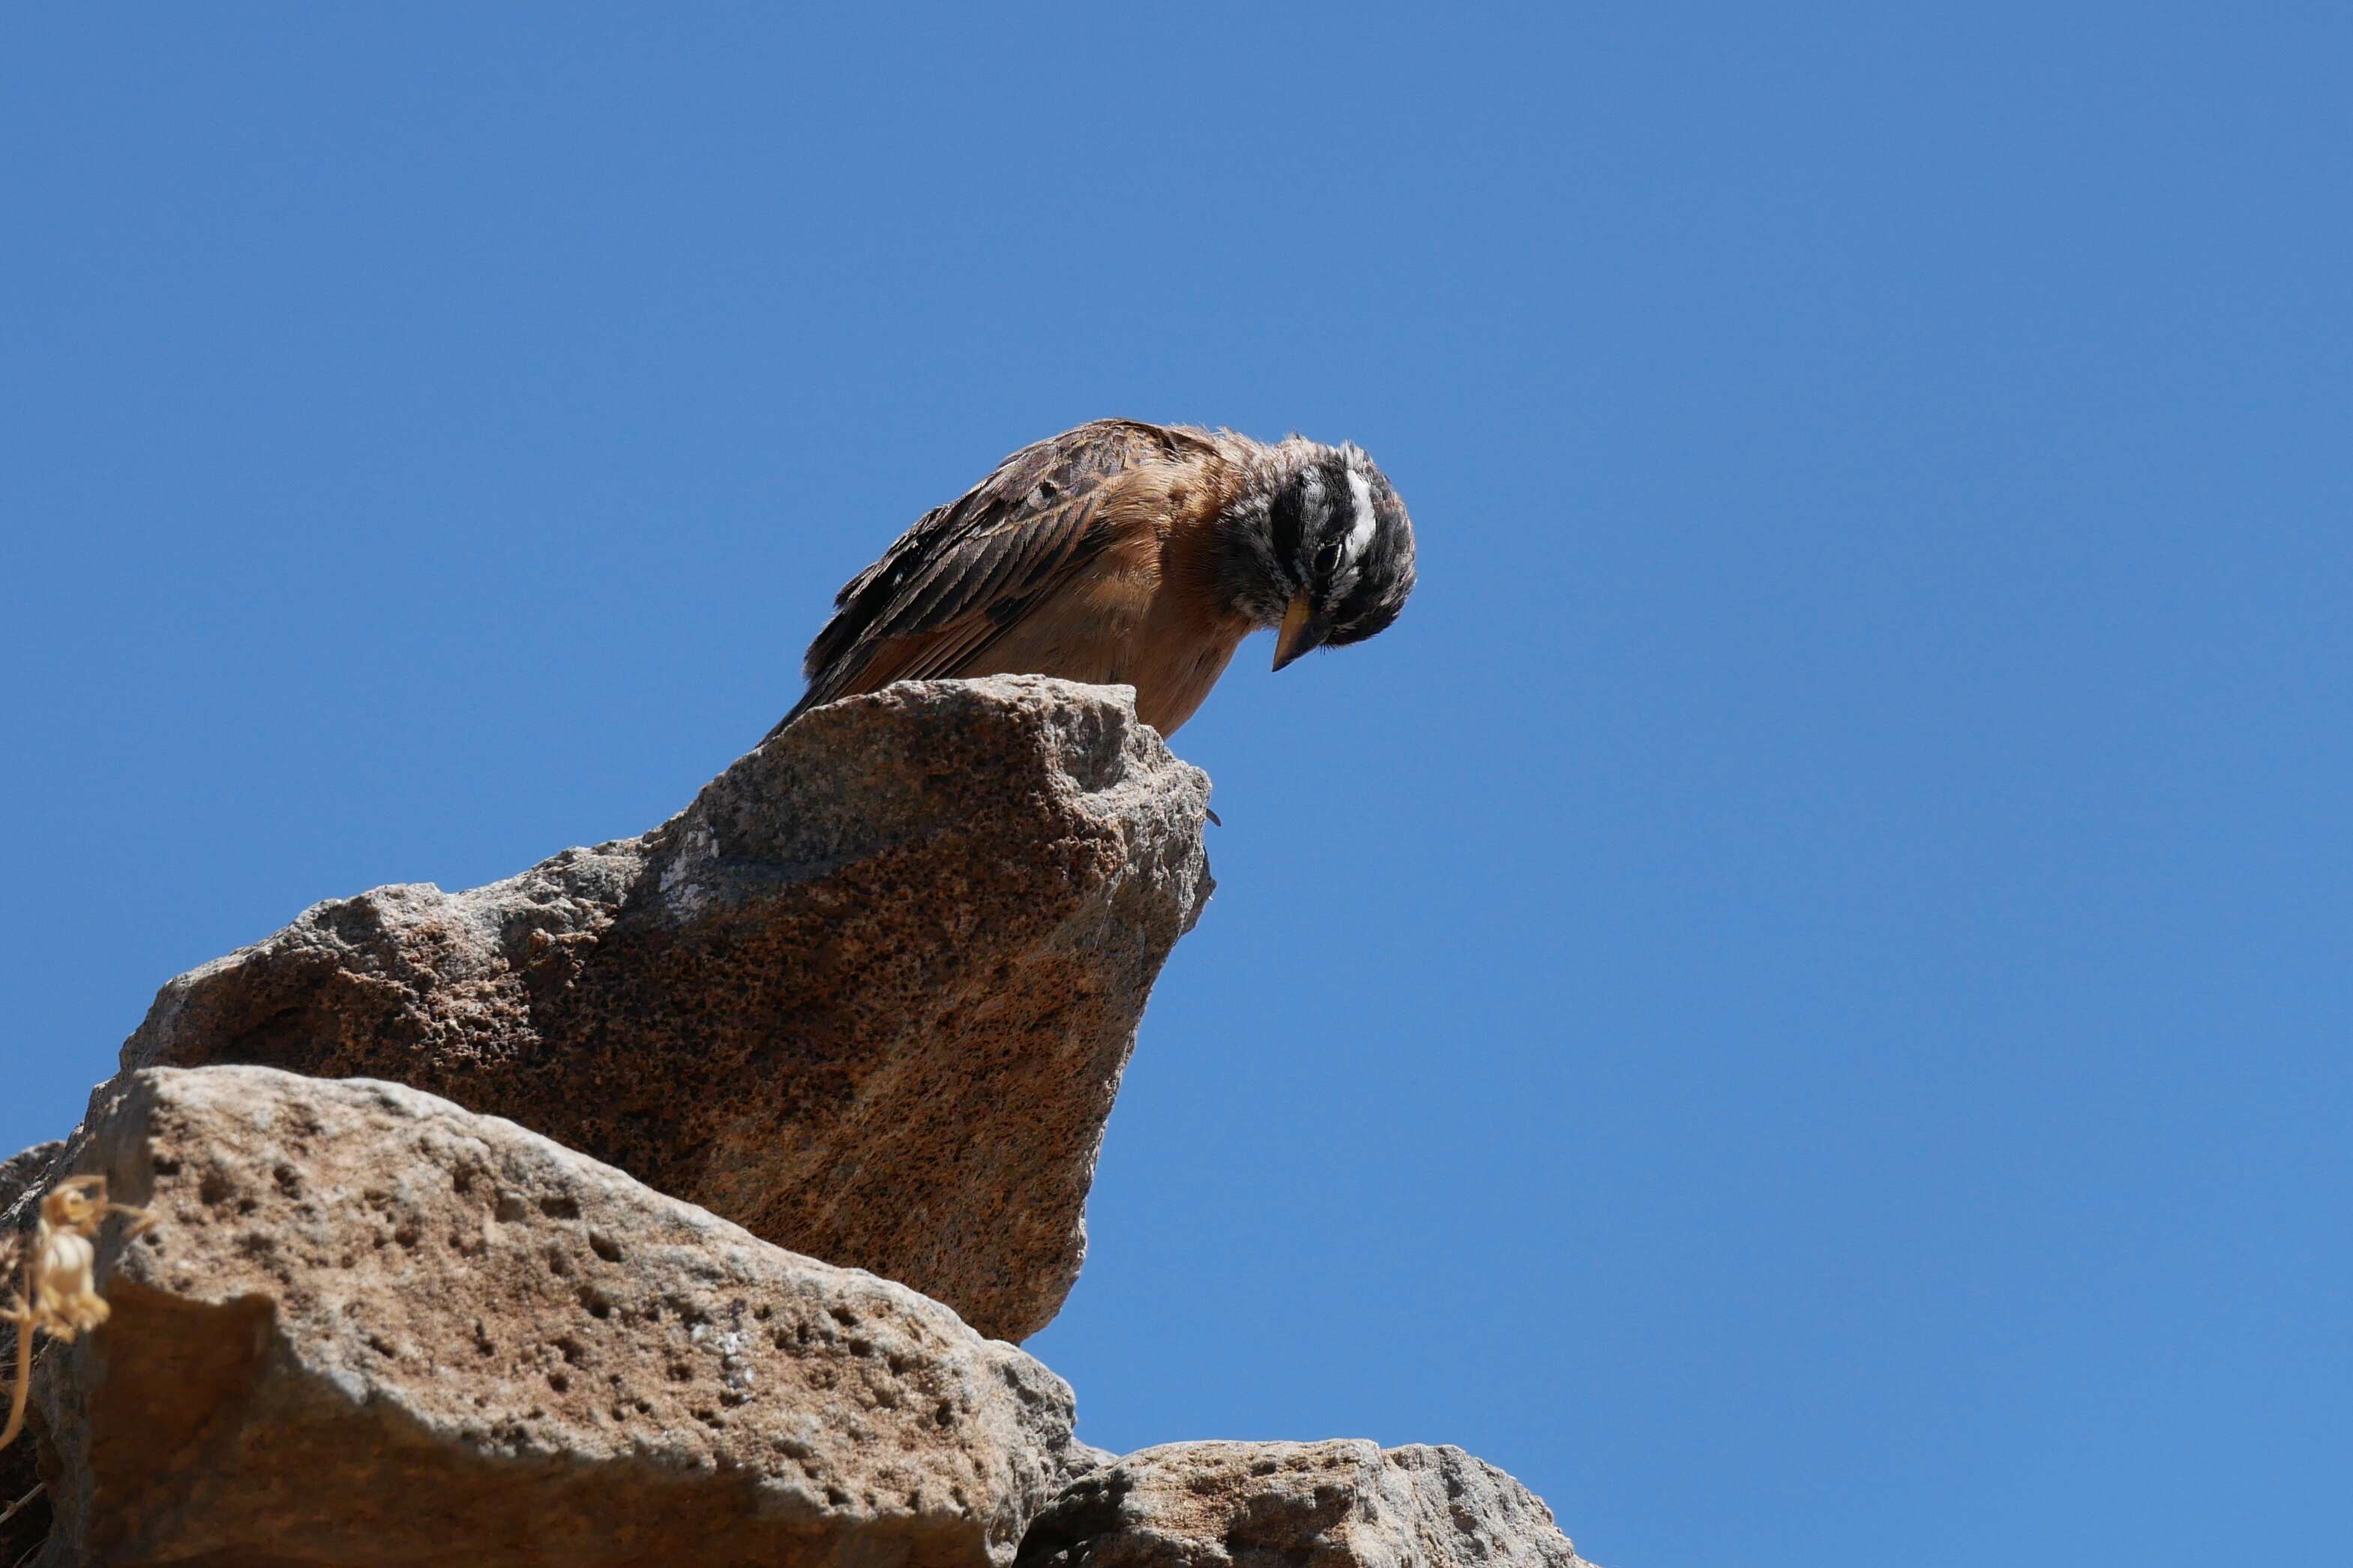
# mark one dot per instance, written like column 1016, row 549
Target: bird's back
column 954, row 585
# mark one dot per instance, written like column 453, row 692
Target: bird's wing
column 966, row 571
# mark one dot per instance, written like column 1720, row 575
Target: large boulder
column 1340, row 1504
column 869, row 996
column 371, row 1329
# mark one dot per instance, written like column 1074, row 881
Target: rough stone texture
column 375, row 1328
column 23, row 1177
column 870, row 995
column 1335, row 1504
column 26, row 1168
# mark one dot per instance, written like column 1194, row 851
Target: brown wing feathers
column 965, row 570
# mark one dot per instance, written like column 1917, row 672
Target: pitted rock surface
column 373, row 1329
column 1345, row 1503
column 870, row 995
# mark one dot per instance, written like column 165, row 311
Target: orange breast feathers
column 1143, row 612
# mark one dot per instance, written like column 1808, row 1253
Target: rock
column 23, row 1177
column 870, row 996
column 22, row 1532
column 372, row 1328
column 1328, row 1505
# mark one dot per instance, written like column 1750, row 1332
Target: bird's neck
column 1249, row 582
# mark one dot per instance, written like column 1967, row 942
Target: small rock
column 23, row 1177
column 1336, row 1504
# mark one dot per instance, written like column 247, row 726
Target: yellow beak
column 1299, row 632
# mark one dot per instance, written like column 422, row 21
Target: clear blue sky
column 1800, row 1001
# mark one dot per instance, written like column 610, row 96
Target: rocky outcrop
column 371, row 1328
column 870, row 996
column 1342, row 1504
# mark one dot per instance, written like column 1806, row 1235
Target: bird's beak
column 1301, row 631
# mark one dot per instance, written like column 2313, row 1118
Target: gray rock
column 372, row 1328
column 23, row 1177
column 1337, row 1504
column 870, row 996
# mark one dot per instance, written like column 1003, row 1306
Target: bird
column 1123, row 552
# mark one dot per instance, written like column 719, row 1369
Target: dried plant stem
column 10, row 1511
column 24, row 1387
column 61, row 1296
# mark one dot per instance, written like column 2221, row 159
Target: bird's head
column 1334, row 560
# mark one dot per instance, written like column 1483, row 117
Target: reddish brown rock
column 370, row 1329
column 870, row 996
column 1339, row 1504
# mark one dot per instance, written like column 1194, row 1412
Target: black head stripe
column 1286, row 517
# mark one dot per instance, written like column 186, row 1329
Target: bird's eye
column 1328, row 560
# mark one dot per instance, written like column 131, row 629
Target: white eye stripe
column 1360, row 533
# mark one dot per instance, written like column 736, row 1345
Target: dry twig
column 61, row 1296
